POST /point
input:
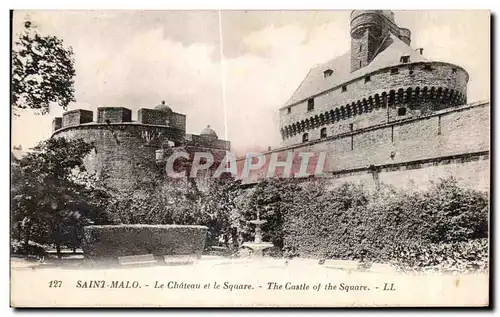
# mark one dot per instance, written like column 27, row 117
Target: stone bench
column 179, row 259
column 137, row 259
column 342, row 264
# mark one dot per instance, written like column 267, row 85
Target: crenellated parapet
column 120, row 115
column 401, row 91
column 113, row 115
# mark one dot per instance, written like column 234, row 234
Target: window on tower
column 323, row 133
column 289, row 110
column 305, row 137
column 394, row 71
column 327, row 73
column 310, row 104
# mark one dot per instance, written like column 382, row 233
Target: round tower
column 367, row 32
column 405, row 35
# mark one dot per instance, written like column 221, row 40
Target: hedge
column 352, row 223
column 445, row 257
column 111, row 241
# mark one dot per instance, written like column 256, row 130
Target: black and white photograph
column 250, row 158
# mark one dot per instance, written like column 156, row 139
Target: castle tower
column 369, row 29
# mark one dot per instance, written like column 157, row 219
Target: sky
column 231, row 70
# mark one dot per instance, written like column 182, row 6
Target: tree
column 220, row 206
column 52, row 195
column 42, row 71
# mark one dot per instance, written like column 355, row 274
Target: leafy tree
column 42, row 71
column 52, row 195
column 456, row 213
column 160, row 200
column 220, row 205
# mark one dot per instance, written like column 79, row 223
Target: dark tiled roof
column 389, row 55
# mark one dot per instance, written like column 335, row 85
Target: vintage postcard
column 224, row 158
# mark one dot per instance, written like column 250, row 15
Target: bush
column 352, row 223
column 33, row 248
column 457, row 256
column 123, row 240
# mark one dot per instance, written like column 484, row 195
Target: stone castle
column 127, row 151
column 385, row 113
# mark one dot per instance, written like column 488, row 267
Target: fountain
column 257, row 245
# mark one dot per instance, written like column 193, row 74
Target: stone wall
column 446, row 133
column 419, row 89
column 125, row 153
column 159, row 117
column 113, row 115
column 76, row 117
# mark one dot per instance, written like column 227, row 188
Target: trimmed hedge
column 111, row 241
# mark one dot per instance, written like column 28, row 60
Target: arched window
column 323, row 133
column 305, row 137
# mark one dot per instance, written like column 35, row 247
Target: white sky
column 136, row 59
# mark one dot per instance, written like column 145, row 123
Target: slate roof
column 389, row 54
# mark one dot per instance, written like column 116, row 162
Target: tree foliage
column 42, row 71
column 350, row 222
column 52, row 195
column 160, row 200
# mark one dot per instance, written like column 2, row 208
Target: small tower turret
column 367, row 33
column 369, row 28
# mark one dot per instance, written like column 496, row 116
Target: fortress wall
column 453, row 132
column 122, row 155
column 178, row 121
column 474, row 174
column 113, row 115
column 471, row 174
column 76, row 117
column 377, row 116
column 461, row 132
column 466, row 130
column 381, row 81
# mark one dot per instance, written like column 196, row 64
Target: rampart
column 402, row 91
column 453, row 141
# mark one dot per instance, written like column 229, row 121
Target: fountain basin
column 258, row 222
column 258, row 247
